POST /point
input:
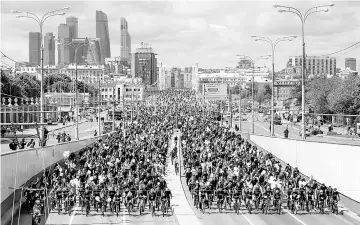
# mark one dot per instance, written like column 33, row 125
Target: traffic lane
column 211, row 216
column 78, row 217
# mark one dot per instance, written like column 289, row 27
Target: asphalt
column 229, row 217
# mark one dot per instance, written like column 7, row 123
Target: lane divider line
column 247, row 219
column 124, row 216
column 293, row 216
column 73, row 215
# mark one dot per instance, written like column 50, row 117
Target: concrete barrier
column 20, row 166
column 333, row 164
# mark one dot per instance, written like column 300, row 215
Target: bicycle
column 202, row 205
column 265, row 205
column 335, row 207
column 87, row 207
column 163, row 207
column 248, row 205
column 152, row 207
column 130, row 207
column 117, row 207
column 141, row 206
column 220, row 202
column 277, row 206
column 36, row 218
column 322, row 207
column 294, row 206
column 236, row 206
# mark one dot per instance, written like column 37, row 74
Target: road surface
column 86, row 129
column 228, row 217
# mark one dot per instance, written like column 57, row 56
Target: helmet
column 37, row 202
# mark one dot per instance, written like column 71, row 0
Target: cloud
column 182, row 32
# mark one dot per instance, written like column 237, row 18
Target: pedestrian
column 13, row 145
column 31, row 144
column 22, row 144
column 58, row 137
column 3, row 131
column 286, row 132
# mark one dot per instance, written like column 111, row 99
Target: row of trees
column 26, row 85
column 262, row 92
column 331, row 95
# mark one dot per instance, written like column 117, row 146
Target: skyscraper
column 93, row 52
column 34, row 48
column 64, row 38
column 125, row 41
column 72, row 23
column 350, row 63
column 144, row 65
column 49, row 49
column 102, row 32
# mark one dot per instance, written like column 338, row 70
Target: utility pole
column 113, row 111
column 99, row 101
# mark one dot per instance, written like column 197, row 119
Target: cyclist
column 277, row 196
column 168, row 195
column 321, row 199
column 257, row 192
column 295, row 199
column 309, row 197
column 266, row 196
column 248, row 196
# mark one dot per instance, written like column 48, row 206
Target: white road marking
column 293, row 216
column 247, row 219
column 267, row 129
column 73, row 215
column 123, row 217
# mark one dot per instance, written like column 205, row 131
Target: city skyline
column 211, row 33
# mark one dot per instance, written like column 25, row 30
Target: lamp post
column 321, row 8
column 273, row 46
column 76, row 44
column 252, row 84
column 40, row 21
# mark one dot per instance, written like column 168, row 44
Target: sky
column 209, row 32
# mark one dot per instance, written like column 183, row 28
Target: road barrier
column 20, row 166
column 336, row 165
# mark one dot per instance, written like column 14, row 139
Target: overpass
column 338, row 167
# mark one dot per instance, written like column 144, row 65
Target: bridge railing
column 336, row 165
column 20, row 166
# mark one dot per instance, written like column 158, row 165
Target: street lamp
column 273, row 46
column 252, row 91
column 76, row 44
column 40, row 21
column 321, row 8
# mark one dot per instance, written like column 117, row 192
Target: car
column 277, row 121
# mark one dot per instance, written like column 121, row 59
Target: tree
column 344, row 97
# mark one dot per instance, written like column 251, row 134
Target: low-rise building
column 283, row 88
column 66, row 101
column 36, row 70
column 122, row 91
column 85, row 73
column 347, row 72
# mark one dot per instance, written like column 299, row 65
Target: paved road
column 86, row 129
column 228, row 217
column 263, row 128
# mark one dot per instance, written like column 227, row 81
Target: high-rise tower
column 125, row 41
column 64, row 38
column 72, row 23
column 102, row 32
column 34, row 48
column 49, row 49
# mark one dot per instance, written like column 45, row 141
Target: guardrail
column 20, row 166
column 336, row 165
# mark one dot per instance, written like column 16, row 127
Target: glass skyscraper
column 34, row 48
column 102, row 32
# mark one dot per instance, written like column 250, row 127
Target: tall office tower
column 72, row 23
column 34, row 48
column 93, row 53
column 350, row 63
column 64, row 38
column 125, row 41
column 144, row 65
column 49, row 49
column 102, row 32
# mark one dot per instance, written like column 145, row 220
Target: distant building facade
column 144, row 65
column 244, row 64
column 34, row 48
column 102, row 32
column 283, row 88
column 49, row 49
column 350, row 63
column 315, row 65
column 187, row 77
column 125, row 41
column 86, row 73
column 64, row 38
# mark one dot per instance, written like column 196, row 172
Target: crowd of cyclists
column 125, row 170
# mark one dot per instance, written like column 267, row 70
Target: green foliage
column 26, row 85
column 331, row 95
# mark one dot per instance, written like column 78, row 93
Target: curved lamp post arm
column 57, row 14
column 307, row 13
column 289, row 9
column 26, row 16
column 57, row 10
column 321, row 10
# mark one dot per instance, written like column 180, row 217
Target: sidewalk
column 183, row 213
